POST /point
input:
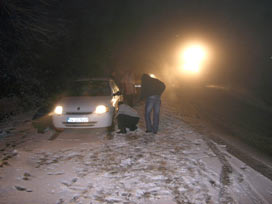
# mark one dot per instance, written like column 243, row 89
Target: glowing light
column 101, row 109
column 193, row 58
column 152, row 75
column 58, row 110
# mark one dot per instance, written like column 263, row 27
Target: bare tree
column 27, row 28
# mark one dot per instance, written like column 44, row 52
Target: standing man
column 151, row 91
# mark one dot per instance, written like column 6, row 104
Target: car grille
column 87, row 124
column 78, row 113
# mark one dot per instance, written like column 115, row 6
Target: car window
column 90, row 88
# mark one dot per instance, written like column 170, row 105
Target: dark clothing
column 129, row 99
column 151, row 86
column 126, row 121
column 151, row 90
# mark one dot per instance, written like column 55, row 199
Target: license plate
column 77, row 120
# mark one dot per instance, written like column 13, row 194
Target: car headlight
column 101, row 109
column 58, row 110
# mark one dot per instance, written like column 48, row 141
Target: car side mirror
column 118, row 93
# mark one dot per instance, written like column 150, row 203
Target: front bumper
column 94, row 120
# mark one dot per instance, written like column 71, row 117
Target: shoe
column 123, row 131
column 132, row 129
column 147, row 131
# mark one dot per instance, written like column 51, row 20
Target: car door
column 117, row 96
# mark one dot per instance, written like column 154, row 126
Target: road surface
column 233, row 118
column 177, row 165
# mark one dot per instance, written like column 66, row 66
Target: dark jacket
column 151, row 86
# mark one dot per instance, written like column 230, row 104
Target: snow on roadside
column 177, row 165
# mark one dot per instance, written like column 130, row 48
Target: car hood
column 84, row 103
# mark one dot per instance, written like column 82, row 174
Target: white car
column 88, row 103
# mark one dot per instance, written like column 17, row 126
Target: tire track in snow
column 224, row 196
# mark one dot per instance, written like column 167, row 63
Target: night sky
column 146, row 34
column 100, row 36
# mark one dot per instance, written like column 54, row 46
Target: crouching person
column 127, row 117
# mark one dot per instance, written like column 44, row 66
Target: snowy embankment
column 177, row 165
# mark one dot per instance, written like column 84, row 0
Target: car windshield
column 89, row 88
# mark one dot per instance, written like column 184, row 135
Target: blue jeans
column 152, row 103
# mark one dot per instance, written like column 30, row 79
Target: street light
column 192, row 58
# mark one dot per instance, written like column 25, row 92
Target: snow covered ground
column 177, row 165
